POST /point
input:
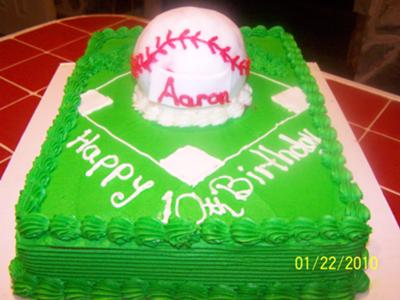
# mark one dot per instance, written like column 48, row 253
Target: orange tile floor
column 29, row 59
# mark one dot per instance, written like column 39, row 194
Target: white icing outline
column 149, row 157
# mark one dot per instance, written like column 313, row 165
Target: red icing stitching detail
column 141, row 62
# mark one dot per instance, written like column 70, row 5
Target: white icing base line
column 118, row 139
column 271, row 79
column 112, row 80
column 148, row 156
column 245, row 147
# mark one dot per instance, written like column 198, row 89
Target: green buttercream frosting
column 23, row 283
column 191, row 291
column 49, row 289
column 162, row 291
column 350, row 191
column 281, row 291
column 214, row 231
column 65, row 228
column 361, row 281
column 341, row 290
column 358, row 210
column 107, row 290
column 221, row 292
column 134, row 289
column 120, row 230
column 355, row 229
column 33, row 225
column 149, row 231
column 249, row 292
column 77, row 290
column 314, row 291
column 93, row 228
column 246, row 232
column 275, row 231
column 181, row 233
column 304, row 229
column 329, row 228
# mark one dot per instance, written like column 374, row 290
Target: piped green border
column 31, row 286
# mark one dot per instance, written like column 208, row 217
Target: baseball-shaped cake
column 191, row 68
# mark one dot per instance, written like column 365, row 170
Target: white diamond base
column 190, row 164
column 293, row 99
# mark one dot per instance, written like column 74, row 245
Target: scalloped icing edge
column 39, row 176
column 27, row 285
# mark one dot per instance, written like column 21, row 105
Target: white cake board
column 384, row 242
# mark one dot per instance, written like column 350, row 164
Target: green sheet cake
column 177, row 169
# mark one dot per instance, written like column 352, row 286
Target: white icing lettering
column 280, row 154
column 82, row 139
column 117, row 199
column 167, row 197
column 208, row 206
column 240, row 188
column 218, row 208
column 90, row 153
column 109, row 161
column 254, row 176
column 119, row 171
column 194, row 197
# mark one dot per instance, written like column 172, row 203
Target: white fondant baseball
column 190, row 58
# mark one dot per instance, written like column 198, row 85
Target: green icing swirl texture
column 150, row 232
column 65, row 228
column 275, row 231
column 33, row 226
column 35, row 287
column 93, row 228
column 120, row 230
column 181, row 233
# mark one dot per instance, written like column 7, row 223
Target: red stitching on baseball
column 141, row 62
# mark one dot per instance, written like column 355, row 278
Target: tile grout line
column 101, row 28
column 23, row 60
column 121, row 21
column 361, row 86
column 374, row 120
column 390, row 190
column 6, row 148
column 360, row 127
column 73, row 27
column 17, row 101
column 46, row 51
column 59, row 21
column 376, row 132
column 385, row 135
column 42, row 51
column 5, row 159
column 17, row 85
column 66, row 44
column 30, row 93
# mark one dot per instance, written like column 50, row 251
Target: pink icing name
column 189, row 101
